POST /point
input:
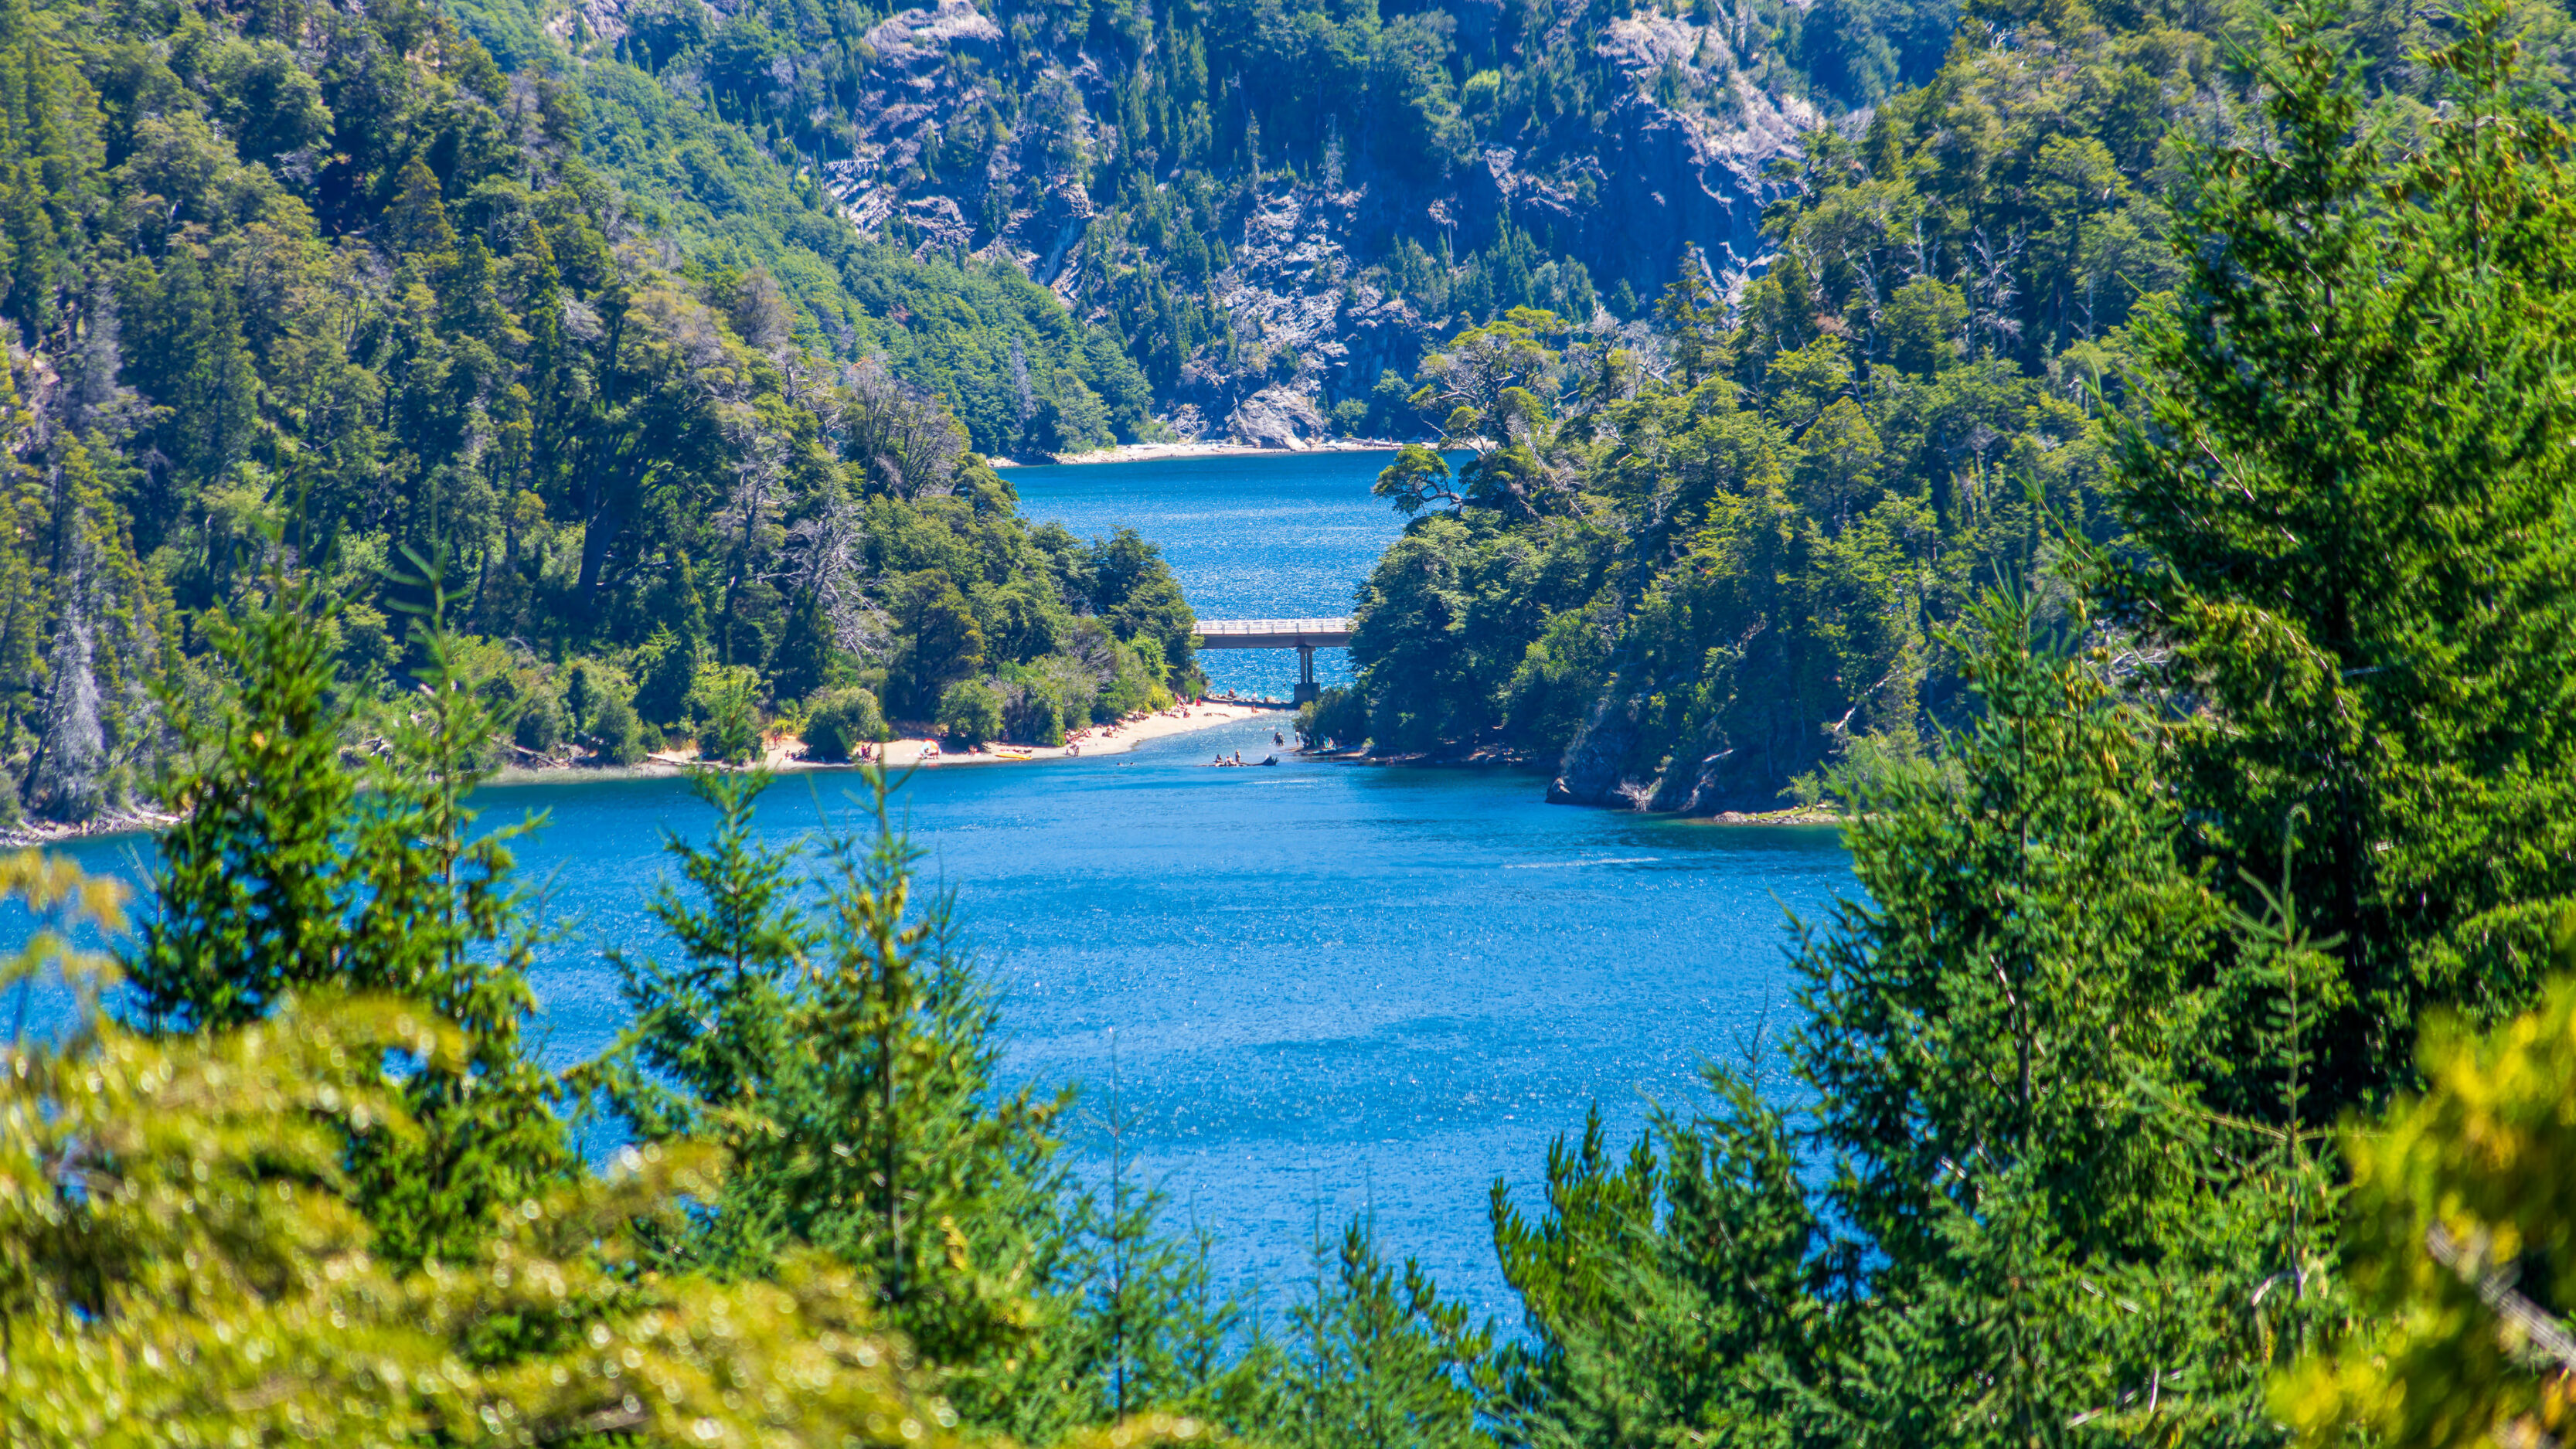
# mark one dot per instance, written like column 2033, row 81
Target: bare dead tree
column 904, row 435
column 825, row 555
column 1991, row 289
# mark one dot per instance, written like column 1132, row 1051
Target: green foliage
column 286, row 877
column 2113, row 962
column 615, row 731
column 2046, row 1013
column 2004, row 1213
column 970, row 713
column 1691, row 562
column 835, row 1036
column 1683, row 1288
column 2458, row 1245
column 844, row 720
column 1335, row 718
column 724, row 705
column 253, row 882
column 2346, row 513
column 1377, row 1358
column 212, row 1278
column 252, row 1225
column 710, row 1028
column 335, row 284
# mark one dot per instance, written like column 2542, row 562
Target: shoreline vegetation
column 782, row 754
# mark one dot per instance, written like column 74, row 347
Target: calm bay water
column 1325, row 988
column 1284, row 537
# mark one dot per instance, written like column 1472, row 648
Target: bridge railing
column 1273, row 633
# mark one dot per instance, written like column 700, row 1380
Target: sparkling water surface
column 1327, row 988
column 1284, row 537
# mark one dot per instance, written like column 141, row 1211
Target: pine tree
column 1378, row 1361
column 249, row 889
column 837, row 1037
column 1685, row 1287
column 711, row 1051
column 945, row 1196
column 2347, row 493
column 212, row 1255
column 417, row 217
column 1693, row 321
column 282, row 877
column 439, row 920
column 201, row 370
column 1150, row 1330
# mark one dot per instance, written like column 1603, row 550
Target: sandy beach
column 785, row 751
column 1115, row 739
column 1148, row 452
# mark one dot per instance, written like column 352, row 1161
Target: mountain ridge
column 1266, row 278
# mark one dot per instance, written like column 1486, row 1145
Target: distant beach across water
column 1183, row 451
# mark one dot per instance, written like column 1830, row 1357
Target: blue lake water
column 1326, row 987
column 1286, row 537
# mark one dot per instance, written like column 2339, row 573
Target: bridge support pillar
column 1307, row 690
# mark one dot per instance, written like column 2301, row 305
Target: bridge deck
column 1274, row 633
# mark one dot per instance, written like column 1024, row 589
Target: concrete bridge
column 1303, row 635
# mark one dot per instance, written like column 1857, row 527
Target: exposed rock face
column 1656, row 177
column 1278, row 416
column 1302, row 326
column 1623, row 199
column 1591, row 772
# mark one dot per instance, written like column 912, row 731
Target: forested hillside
column 329, row 284
column 1686, row 563
column 1266, row 207
column 652, row 321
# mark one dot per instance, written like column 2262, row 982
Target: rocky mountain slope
column 1274, row 208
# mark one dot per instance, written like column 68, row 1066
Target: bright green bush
column 540, row 725
column 1339, row 718
column 843, row 720
column 725, row 706
column 1135, row 687
column 614, row 730
column 665, row 668
column 970, row 713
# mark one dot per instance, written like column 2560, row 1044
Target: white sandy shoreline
column 1150, row 452
column 784, row 754
column 783, row 757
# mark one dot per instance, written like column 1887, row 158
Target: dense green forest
column 1687, row 563
column 2190, row 1067
column 1694, row 562
column 2170, row 408
column 331, row 284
